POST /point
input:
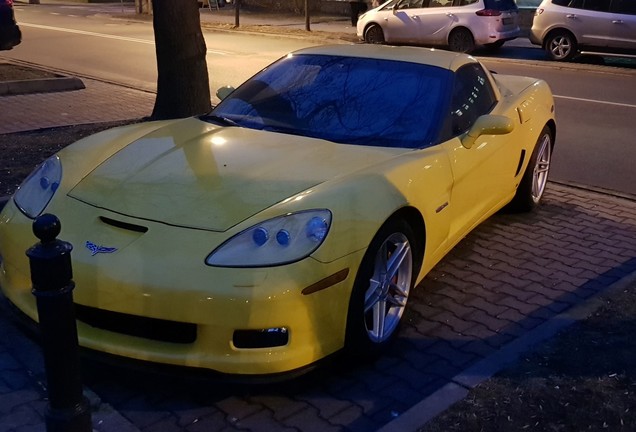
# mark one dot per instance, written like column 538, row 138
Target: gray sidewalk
column 509, row 285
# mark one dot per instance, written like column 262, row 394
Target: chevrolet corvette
column 292, row 221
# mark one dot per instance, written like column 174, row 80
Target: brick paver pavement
column 98, row 102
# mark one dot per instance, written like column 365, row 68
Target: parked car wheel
column 532, row 186
column 374, row 34
column 461, row 40
column 382, row 288
column 560, row 45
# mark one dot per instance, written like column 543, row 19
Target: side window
column 597, row 5
column 473, row 97
column 578, row 4
column 440, row 3
column 627, row 7
column 411, row 4
column 464, row 2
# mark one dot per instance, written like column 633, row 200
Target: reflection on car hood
column 198, row 175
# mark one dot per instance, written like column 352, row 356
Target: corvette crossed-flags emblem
column 95, row 249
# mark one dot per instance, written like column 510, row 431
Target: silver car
column 566, row 28
column 460, row 25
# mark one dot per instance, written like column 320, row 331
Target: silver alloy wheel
column 389, row 286
column 561, row 47
column 541, row 168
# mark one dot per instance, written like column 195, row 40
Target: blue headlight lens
column 283, row 237
column 317, row 228
column 260, row 236
column 44, row 183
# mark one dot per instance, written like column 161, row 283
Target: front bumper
column 158, row 278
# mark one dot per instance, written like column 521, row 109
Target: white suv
column 458, row 24
column 566, row 28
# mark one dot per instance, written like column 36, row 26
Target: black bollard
column 51, row 275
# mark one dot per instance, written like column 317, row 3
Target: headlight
column 36, row 191
column 277, row 241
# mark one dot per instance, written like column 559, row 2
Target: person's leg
column 354, row 12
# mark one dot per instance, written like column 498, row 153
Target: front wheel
column 535, row 178
column 381, row 290
column 374, row 34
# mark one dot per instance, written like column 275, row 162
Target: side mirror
column 487, row 125
column 224, row 92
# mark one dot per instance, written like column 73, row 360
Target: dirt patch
column 582, row 380
column 13, row 72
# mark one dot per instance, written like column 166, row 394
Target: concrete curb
column 459, row 386
column 21, row 87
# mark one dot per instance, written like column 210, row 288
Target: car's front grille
column 133, row 325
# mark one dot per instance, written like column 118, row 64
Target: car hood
column 193, row 174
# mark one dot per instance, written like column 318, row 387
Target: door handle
column 617, row 21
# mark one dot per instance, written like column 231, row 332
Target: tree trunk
column 143, row 7
column 183, row 87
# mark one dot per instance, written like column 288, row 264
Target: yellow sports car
column 295, row 218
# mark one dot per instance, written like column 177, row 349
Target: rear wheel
column 374, row 34
column 381, row 291
column 560, row 46
column 461, row 40
column 534, row 180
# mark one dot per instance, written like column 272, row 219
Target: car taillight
column 488, row 12
column 9, row 2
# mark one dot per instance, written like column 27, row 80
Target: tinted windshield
column 343, row 99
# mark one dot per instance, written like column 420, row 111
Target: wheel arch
column 372, row 24
column 457, row 28
column 551, row 124
column 555, row 30
column 415, row 220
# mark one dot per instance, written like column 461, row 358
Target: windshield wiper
column 224, row 121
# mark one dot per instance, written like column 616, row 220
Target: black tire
column 374, row 34
column 561, row 45
column 377, row 302
column 461, row 40
column 534, row 180
column 492, row 47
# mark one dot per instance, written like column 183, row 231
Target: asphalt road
column 595, row 104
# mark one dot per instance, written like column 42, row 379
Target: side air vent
column 521, row 160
